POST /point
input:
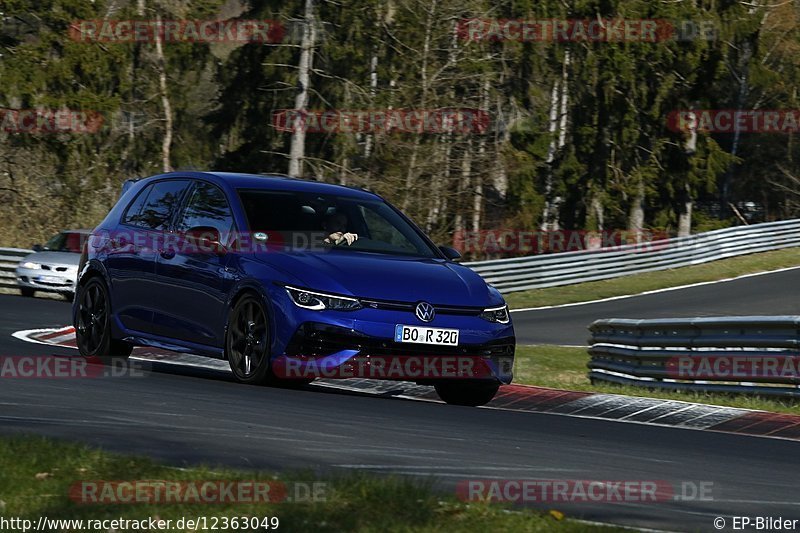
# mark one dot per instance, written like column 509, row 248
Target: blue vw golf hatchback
column 289, row 280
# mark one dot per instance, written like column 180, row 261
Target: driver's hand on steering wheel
column 339, row 238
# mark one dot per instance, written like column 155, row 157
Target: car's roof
column 272, row 182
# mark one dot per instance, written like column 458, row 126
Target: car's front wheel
column 93, row 324
column 27, row 291
column 467, row 393
column 247, row 345
column 247, row 341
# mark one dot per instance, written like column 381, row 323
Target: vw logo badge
column 425, row 311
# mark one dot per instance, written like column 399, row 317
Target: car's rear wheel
column 467, row 393
column 27, row 291
column 93, row 324
column 247, row 341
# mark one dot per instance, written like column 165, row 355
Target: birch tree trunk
column 743, row 77
column 343, row 170
column 161, row 70
column 562, row 126
column 308, row 42
column 373, row 88
column 463, row 182
column 636, row 215
column 437, row 200
column 500, row 174
column 166, row 142
column 426, row 47
column 596, row 208
column 551, row 154
column 559, row 104
column 741, row 98
column 477, row 199
column 685, row 216
column 441, row 179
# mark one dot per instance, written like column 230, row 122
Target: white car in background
column 54, row 266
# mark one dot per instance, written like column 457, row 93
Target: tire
column 249, row 310
column 27, row 292
column 93, row 324
column 247, row 341
column 466, row 393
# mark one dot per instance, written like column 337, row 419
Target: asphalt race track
column 186, row 416
column 771, row 294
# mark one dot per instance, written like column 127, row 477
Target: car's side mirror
column 450, row 253
column 206, row 239
column 37, row 247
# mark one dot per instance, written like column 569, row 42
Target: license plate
column 49, row 279
column 422, row 335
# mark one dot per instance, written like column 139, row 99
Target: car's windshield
column 310, row 221
column 66, row 241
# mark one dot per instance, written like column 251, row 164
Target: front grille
column 318, row 340
column 405, row 306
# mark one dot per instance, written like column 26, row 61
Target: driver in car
column 336, row 226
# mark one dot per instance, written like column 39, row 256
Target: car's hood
column 386, row 277
column 54, row 258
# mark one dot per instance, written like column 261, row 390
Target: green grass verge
column 594, row 290
column 565, row 368
column 37, row 474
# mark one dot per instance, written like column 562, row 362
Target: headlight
column 318, row 301
column 30, row 265
column 496, row 314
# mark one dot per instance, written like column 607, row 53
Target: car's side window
column 207, row 207
column 131, row 214
column 382, row 230
column 156, row 211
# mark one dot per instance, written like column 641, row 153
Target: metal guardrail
column 552, row 270
column 739, row 354
column 540, row 271
column 9, row 258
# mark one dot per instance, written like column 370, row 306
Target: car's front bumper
column 323, row 350
column 345, row 343
column 48, row 280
